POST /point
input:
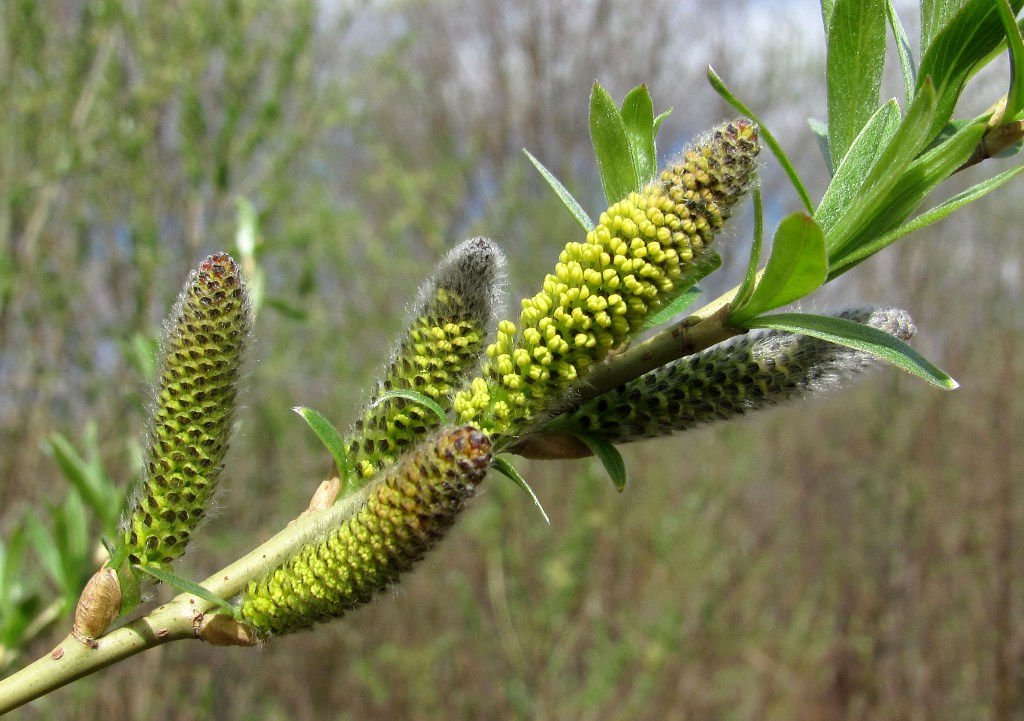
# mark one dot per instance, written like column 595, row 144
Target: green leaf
column 909, row 139
column 505, row 467
column 1015, row 94
column 797, row 267
column 859, row 337
column 827, row 7
column 286, row 309
column 958, row 50
column 142, row 353
column 46, row 549
column 931, row 216
column 934, row 16
column 747, row 286
column 669, row 311
column 415, row 397
column 16, row 611
column 563, row 194
column 658, row 120
column 610, row 458
column 719, row 85
column 608, row 134
column 875, row 195
column 74, row 540
column 87, row 476
column 186, row 586
column 854, row 64
column 920, row 179
column 328, row 435
column 841, row 194
column 638, row 116
column 820, row 132
column 12, row 557
column 903, row 51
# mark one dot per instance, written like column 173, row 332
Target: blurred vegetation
column 858, row 558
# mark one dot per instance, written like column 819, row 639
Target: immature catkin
column 442, row 345
column 643, row 250
column 192, row 413
column 748, row 372
column 408, row 509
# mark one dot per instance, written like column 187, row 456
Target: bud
column 746, row 373
column 408, row 509
column 445, row 337
column 98, row 606
column 192, row 413
column 640, row 254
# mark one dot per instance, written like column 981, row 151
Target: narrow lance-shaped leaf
column 638, row 118
column 619, row 176
column 746, row 287
column 876, row 195
column 855, row 62
column 673, row 309
column 328, row 435
column 570, row 202
column 905, row 196
column 903, row 51
column 505, row 468
column 956, row 51
column 186, row 586
column 860, row 337
column 841, row 195
column 1015, row 43
column 933, row 215
column 610, row 458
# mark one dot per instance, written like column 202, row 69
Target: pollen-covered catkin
column 442, row 345
column 756, row 370
column 409, row 508
column 643, row 250
column 192, row 413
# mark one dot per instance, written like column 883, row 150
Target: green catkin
column 446, row 335
column 641, row 253
column 749, row 372
column 408, row 509
column 192, row 413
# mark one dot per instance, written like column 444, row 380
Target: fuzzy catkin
column 408, row 509
column 193, row 411
column 434, row 356
column 642, row 252
column 756, row 370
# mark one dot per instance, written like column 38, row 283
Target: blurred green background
column 858, row 557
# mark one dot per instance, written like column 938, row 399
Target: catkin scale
column 192, row 413
column 408, row 509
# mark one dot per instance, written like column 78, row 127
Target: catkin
column 434, row 356
column 192, row 413
column 756, row 370
column 644, row 249
column 408, row 509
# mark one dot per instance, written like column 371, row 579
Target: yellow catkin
column 408, row 509
column 641, row 251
